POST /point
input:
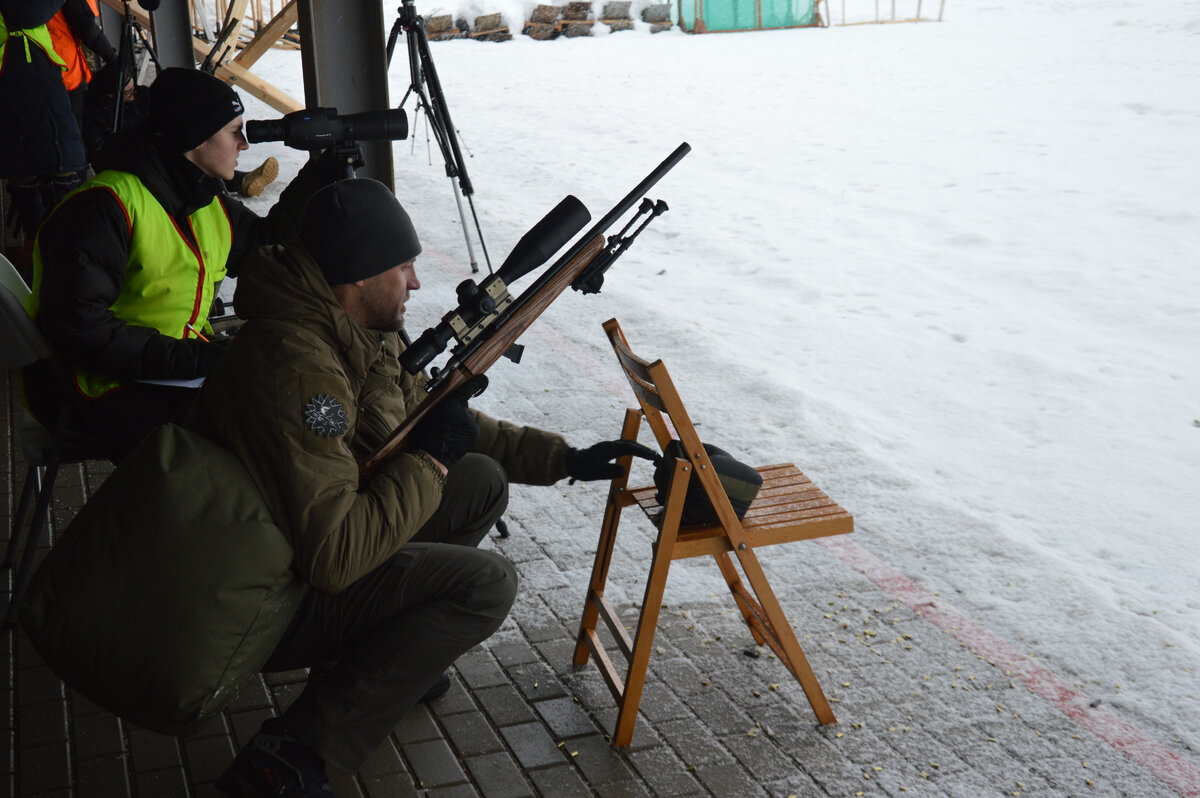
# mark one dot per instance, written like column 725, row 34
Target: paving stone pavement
column 920, row 713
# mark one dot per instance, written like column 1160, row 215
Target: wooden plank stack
column 490, row 27
column 442, row 27
column 616, row 15
column 543, row 23
column 577, row 18
column 659, row 17
column 549, row 22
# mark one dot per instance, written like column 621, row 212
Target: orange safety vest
column 66, row 45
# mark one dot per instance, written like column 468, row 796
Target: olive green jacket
column 305, row 394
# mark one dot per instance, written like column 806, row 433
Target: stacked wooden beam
column 491, row 27
column 442, row 27
column 616, row 15
column 659, row 17
column 577, row 18
column 543, row 23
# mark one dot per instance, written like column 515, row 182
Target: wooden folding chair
column 788, row 507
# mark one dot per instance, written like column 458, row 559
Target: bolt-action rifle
column 489, row 319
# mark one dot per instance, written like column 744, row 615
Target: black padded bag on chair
column 740, row 481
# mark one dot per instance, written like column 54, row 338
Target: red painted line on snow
column 1110, row 727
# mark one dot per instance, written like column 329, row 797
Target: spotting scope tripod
column 130, row 28
column 423, row 73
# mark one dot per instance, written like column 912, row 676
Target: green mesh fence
column 698, row 16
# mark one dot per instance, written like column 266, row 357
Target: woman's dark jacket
column 38, row 132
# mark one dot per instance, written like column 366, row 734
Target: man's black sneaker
column 275, row 764
column 437, row 689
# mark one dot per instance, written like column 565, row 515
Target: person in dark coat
column 41, row 150
column 126, row 268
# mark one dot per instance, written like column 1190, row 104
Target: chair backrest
column 663, row 410
column 11, row 278
column 23, row 342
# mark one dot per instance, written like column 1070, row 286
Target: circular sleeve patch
column 326, row 416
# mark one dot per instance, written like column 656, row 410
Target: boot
column 254, row 182
column 275, row 764
column 437, row 689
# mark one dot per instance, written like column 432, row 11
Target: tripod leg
column 141, row 72
column 146, row 44
column 428, row 149
column 439, row 133
column 479, row 230
column 124, row 59
column 463, row 220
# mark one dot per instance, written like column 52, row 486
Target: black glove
column 449, row 430
column 211, row 352
column 596, row 462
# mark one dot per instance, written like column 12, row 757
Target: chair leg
column 734, row 580
column 617, row 502
column 41, row 515
column 643, row 641
column 656, row 583
column 604, row 553
column 33, row 479
column 795, row 659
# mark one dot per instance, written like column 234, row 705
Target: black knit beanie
column 357, row 229
column 188, row 106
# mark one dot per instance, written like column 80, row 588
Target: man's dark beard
column 396, row 325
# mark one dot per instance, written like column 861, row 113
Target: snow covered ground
column 949, row 269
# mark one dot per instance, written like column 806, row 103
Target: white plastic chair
column 44, row 450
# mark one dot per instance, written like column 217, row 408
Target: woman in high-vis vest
column 126, row 268
column 40, row 145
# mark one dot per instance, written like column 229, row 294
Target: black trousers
column 394, row 631
column 117, row 422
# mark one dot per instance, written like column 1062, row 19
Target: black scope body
column 318, row 128
column 535, row 248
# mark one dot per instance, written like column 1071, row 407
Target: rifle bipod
column 593, row 276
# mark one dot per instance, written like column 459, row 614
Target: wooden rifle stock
column 501, row 336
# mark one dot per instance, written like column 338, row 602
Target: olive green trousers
column 378, row 645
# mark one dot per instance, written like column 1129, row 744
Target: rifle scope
column 318, row 128
column 476, row 302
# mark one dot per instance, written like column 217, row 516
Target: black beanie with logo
column 357, row 229
column 188, row 106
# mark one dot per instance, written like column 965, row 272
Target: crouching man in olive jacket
column 310, row 387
